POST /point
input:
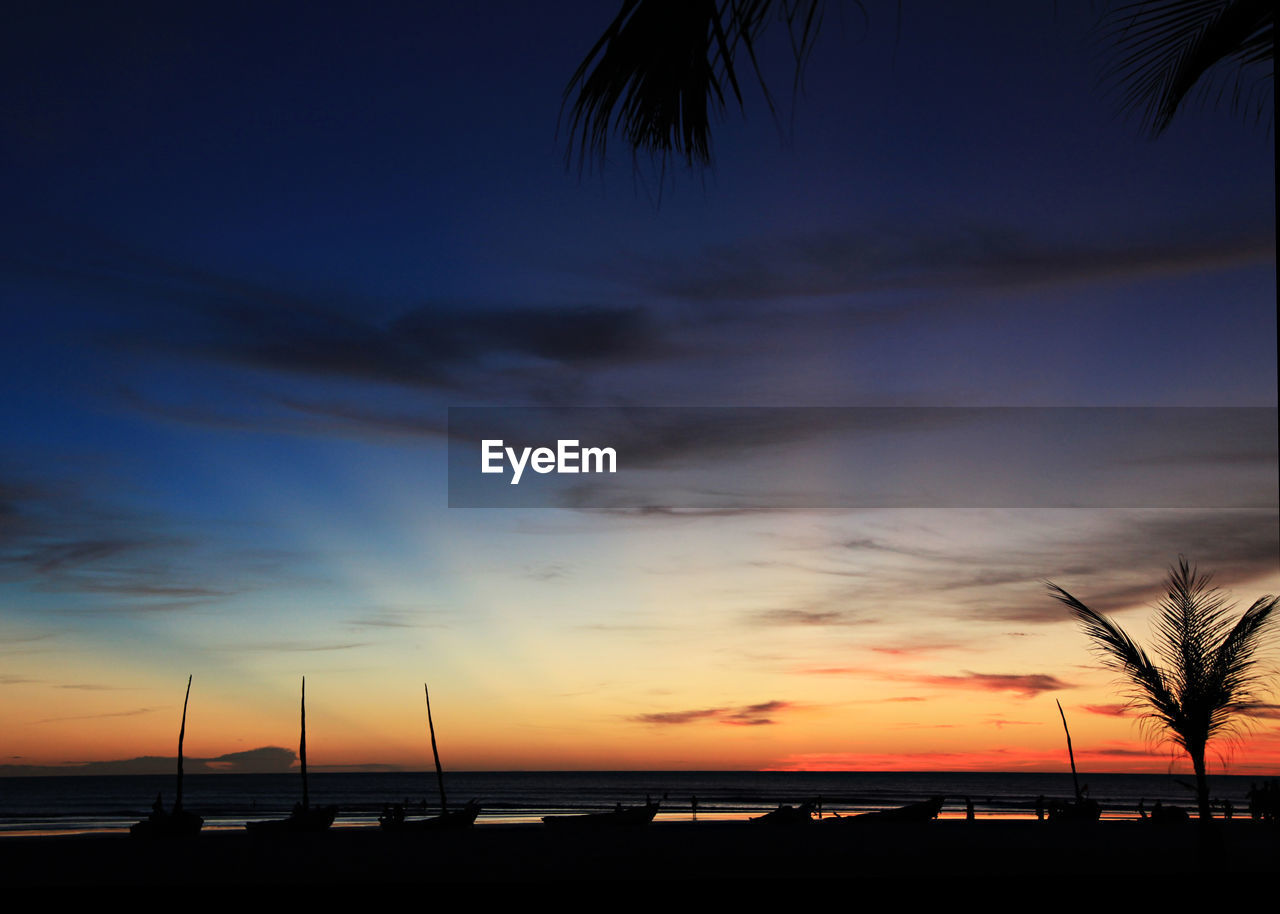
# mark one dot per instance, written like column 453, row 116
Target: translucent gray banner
column 775, row 458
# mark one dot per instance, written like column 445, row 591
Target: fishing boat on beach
column 1081, row 809
column 393, row 818
column 619, row 817
column 304, row 817
column 176, row 822
column 789, row 815
column 924, row 811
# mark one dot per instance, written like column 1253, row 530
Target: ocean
column 77, row 804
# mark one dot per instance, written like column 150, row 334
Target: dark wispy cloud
column 1262, row 711
column 1001, row 722
column 1112, row 710
column 181, row 308
column 63, row 539
column 884, row 258
column 1113, row 563
column 756, row 715
column 804, row 617
column 921, row 645
column 54, row 557
column 8, row 679
column 676, row 717
column 297, row 646
column 437, row 346
column 135, row 712
column 546, row 571
column 388, row 620
column 1024, row 685
column 1122, row 752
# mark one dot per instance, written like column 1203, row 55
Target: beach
column 702, row 851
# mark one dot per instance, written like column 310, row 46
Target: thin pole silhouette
column 434, row 751
column 1074, row 779
column 182, row 732
column 302, row 747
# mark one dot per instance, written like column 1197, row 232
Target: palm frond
column 665, row 69
column 1168, row 47
column 1235, row 672
column 1192, row 621
column 1120, row 653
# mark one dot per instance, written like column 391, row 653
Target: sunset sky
column 251, row 257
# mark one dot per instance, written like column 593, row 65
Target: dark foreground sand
column 992, row 850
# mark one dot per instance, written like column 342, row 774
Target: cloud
column 1113, row 710
column 743, row 716
column 133, row 713
column 1261, row 710
column 1025, row 685
column 297, row 646
column 676, row 717
column 921, row 645
column 63, row 540
column 280, row 327
column 1000, row 722
column 884, row 258
column 54, row 557
column 265, row 760
column 433, row 346
column 545, row 571
column 7, row 679
column 755, row 715
column 388, row 620
column 803, row 617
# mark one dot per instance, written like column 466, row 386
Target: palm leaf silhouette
column 1210, row 672
column 1165, row 48
column 664, row 69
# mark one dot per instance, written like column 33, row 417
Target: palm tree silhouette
column 665, row 66
column 663, row 69
column 1210, row 671
column 1165, row 49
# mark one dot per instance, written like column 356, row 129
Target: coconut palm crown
column 1207, row 670
column 664, row 70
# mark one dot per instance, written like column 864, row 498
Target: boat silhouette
column 1081, row 809
column 304, row 817
column 924, row 811
column 164, row 823
column 393, row 817
column 789, row 815
column 620, row 817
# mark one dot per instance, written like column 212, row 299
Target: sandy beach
column 712, row 851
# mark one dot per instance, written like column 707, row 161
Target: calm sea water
column 98, row 803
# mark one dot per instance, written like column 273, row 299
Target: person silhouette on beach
column 968, row 809
column 693, row 804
